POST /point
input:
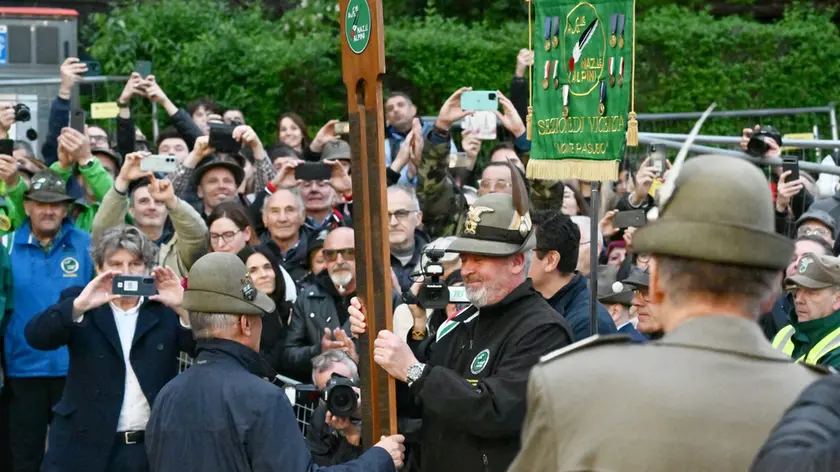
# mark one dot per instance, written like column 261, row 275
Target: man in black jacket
column 469, row 382
column 222, row 414
column 319, row 316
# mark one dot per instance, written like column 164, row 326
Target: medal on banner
column 612, row 75
column 555, row 32
column 602, row 108
column 547, row 33
column 621, row 19
column 545, row 80
column 621, row 72
column 613, row 23
column 565, row 100
column 556, row 80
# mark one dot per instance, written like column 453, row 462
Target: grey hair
column 125, row 237
column 295, row 193
column 409, row 190
column 207, row 325
column 583, row 223
column 322, row 362
column 527, row 255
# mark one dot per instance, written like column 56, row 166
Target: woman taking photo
column 264, row 271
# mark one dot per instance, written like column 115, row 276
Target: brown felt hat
column 219, row 283
column 721, row 211
column 815, row 272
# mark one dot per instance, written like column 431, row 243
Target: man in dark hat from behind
column 617, row 300
column 712, row 386
column 469, row 380
column 224, row 413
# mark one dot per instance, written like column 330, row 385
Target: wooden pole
column 363, row 66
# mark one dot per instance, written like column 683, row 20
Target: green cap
column 495, row 228
column 219, row 283
column 815, row 272
column 47, row 187
column 337, row 149
column 721, row 210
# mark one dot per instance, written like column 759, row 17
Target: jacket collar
column 26, row 238
column 726, row 333
column 565, row 295
column 812, row 331
column 225, row 350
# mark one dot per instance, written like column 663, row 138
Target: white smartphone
column 483, row 123
column 163, row 164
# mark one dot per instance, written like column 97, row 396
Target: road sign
column 4, row 45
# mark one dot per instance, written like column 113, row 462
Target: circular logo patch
column 69, row 265
column 358, row 25
column 480, row 361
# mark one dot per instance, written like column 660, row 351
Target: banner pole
column 593, row 257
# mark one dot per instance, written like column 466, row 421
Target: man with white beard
column 319, row 318
column 469, row 381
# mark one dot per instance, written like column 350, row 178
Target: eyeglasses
column 494, row 185
column 401, row 215
column 225, row 237
column 643, row 294
column 813, row 231
column 347, row 253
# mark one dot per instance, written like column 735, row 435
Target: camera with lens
column 342, row 399
column 22, row 113
column 433, row 294
column 758, row 146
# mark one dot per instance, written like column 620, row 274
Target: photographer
column 790, row 196
column 333, row 440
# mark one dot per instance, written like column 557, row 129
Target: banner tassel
column 529, row 121
column 632, row 130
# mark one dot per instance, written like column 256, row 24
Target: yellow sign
column 795, row 136
column 104, row 110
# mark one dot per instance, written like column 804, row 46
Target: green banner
column 582, row 88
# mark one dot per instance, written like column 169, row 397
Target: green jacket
column 809, row 333
column 179, row 253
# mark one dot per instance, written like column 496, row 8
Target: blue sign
column 4, row 45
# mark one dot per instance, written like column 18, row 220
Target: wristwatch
column 414, row 373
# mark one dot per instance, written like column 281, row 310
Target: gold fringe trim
column 565, row 169
column 632, row 130
column 529, row 120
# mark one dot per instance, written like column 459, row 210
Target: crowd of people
column 255, row 272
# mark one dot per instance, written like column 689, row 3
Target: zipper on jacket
column 485, row 461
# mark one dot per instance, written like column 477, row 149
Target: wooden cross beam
column 363, row 66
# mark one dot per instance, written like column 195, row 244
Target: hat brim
column 203, row 301
column 741, row 246
column 48, row 197
column 622, row 298
column 237, row 171
column 337, row 158
column 800, row 281
column 491, row 248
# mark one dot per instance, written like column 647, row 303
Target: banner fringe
column 566, row 169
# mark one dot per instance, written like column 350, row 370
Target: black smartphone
column 7, row 147
column 144, row 68
column 77, row 120
column 626, row 219
column 790, row 164
column 94, row 69
column 313, row 171
column 221, row 138
column 134, row 285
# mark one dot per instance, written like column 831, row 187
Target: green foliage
column 242, row 57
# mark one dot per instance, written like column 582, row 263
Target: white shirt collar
column 130, row 312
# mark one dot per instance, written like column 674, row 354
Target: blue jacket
column 572, row 301
column 85, row 419
column 394, row 141
column 39, row 277
column 221, row 415
column 634, row 334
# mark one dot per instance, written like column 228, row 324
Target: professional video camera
column 339, row 394
column 434, row 294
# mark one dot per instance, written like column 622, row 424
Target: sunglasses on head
column 348, row 254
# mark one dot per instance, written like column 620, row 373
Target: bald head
column 340, row 238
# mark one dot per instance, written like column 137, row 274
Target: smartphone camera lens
column 492, row 96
